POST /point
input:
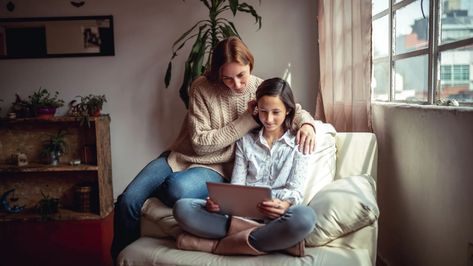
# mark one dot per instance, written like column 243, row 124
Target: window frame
column 433, row 51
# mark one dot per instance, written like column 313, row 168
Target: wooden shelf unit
column 27, row 135
column 37, row 167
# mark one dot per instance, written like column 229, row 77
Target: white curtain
column 344, row 29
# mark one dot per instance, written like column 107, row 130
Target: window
column 422, row 51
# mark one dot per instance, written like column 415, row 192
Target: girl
column 266, row 157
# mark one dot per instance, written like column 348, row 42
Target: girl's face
column 235, row 76
column 272, row 112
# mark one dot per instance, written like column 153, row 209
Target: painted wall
column 425, row 182
column 145, row 115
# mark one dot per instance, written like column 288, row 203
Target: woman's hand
column 274, row 208
column 211, row 206
column 251, row 107
column 306, row 139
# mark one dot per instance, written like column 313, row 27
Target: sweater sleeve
column 207, row 140
column 302, row 117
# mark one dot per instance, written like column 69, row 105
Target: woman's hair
column 280, row 88
column 228, row 50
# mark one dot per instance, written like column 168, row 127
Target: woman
column 220, row 113
column 268, row 157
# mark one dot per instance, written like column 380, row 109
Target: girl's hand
column 306, row 139
column 274, row 208
column 211, row 206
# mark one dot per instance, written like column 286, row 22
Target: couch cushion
column 322, row 165
column 157, row 220
column 152, row 251
column 342, row 207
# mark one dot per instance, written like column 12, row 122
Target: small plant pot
column 54, row 158
column 45, row 112
column 48, row 207
column 95, row 113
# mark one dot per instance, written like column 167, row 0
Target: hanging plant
column 206, row 34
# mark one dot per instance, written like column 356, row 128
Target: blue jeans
column 278, row 234
column 156, row 179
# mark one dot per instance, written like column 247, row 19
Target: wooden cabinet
column 90, row 144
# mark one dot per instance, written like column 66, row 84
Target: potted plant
column 55, row 147
column 21, row 108
column 207, row 33
column 90, row 105
column 43, row 104
column 47, row 206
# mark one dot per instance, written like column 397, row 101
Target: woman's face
column 271, row 113
column 235, row 76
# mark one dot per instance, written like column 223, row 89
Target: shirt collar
column 286, row 138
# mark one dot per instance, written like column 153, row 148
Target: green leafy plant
column 89, row 105
column 47, row 206
column 206, row 34
column 22, row 108
column 43, row 98
column 92, row 104
column 36, row 103
column 55, row 146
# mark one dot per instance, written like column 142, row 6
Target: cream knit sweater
column 216, row 119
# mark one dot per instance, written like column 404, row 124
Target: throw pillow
column 321, row 170
column 342, row 207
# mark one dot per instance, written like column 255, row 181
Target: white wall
column 425, row 182
column 145, row 115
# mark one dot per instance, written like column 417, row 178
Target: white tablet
column 238, row 200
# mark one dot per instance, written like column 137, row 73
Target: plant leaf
column 187, row 33
column 233, row 6
column 206, row 3
column 244, row 7
column 167, row 77
column 191, row 64
column 197, row 64
column 184, row 90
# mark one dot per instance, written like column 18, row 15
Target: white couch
column 346, row 229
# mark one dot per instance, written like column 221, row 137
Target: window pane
column 380, row 81
column 412, row 27
column 458, row 83
column 378, row 6
column 380, row 37
column 410, row 79
column 456, row 21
